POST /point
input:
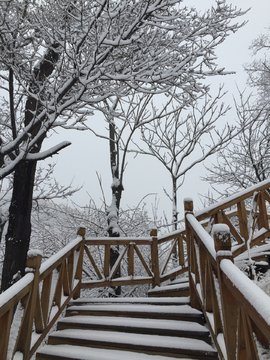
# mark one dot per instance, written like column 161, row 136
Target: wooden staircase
column 156, row 328
column 176, row 288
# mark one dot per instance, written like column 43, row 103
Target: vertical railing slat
column 154, row 257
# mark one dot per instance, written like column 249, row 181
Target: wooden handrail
column 43, row 293
column 231, row 200
column 236, row 310
column 40, row 297
column 249, row 206
column 148, row 252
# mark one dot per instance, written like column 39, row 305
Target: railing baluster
column 45, row 297
column 131, row 259
column 65, row 278
column 181, row 254
column 242, row 215
column 107, row 261
column 79, row 268
column 5, row 325
column 262, row 217
column 70, row 270
column 229, row 304
column 154, row 257
column 24, row 338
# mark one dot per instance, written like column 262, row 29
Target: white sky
column 88, row 155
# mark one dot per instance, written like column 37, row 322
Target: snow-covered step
column 137, row 325
column 68, row 352
column 134, row 300
column 173, row 312
column 179, row 280
column 174, row 290
column 150, row 344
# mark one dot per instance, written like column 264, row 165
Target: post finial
column 222, row 237
column 34, row 258
column 188, row 205
column 153, row 232
column 81, row 231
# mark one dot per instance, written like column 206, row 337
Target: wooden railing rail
column 135, row 255
column 236, row 309
column 30, row 307
column 41, row 295
column 176, row 254
column 250, row 208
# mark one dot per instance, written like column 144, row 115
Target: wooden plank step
column 140, row 300
column 149, row 344
column 146, row 311
column 69, row 352
column 138, row 326
column 174, row 290
column 179, row 280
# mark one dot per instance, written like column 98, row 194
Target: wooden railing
column 249, row 209
column 138, row 259
column 30, row 308
column 235, row 314
column 236, row 310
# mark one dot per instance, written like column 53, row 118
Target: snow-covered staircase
column 130, row 328
column 176, row 288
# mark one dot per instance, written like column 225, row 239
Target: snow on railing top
column 52, row 261
column 231, row 200
column 15, row 289
column 256, row 297
column 205, row 238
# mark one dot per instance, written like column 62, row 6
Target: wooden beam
column 143, row 261
column 242, row 216
column 93, row 262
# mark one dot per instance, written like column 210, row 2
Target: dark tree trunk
column 174, row 211
column 174, row 218
column 19, row 227
column 112, row 216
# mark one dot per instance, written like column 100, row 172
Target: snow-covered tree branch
column 59, row 57
column 59, row 60
column 186, row 138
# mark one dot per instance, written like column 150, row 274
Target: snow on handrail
column 205, row 238
column 231, row 200
column 254, row 296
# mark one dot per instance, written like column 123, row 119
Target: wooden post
column 222, row 239
column 78, row 273
column 242, row 215
column 262, row 218
column 131, row 259
column 23, row 343
column 154, row 257
column 194, row 301
column 5, row 325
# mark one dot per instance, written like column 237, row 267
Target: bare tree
column 247, row 160
column 185, row 139
column 58, row 59
column 124, row 118
column 259, row 70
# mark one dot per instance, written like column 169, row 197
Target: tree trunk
column 113, row 212
column 19, row 227
column 174, row 218
column 174, row 206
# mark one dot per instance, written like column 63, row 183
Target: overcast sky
column 88, row 155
